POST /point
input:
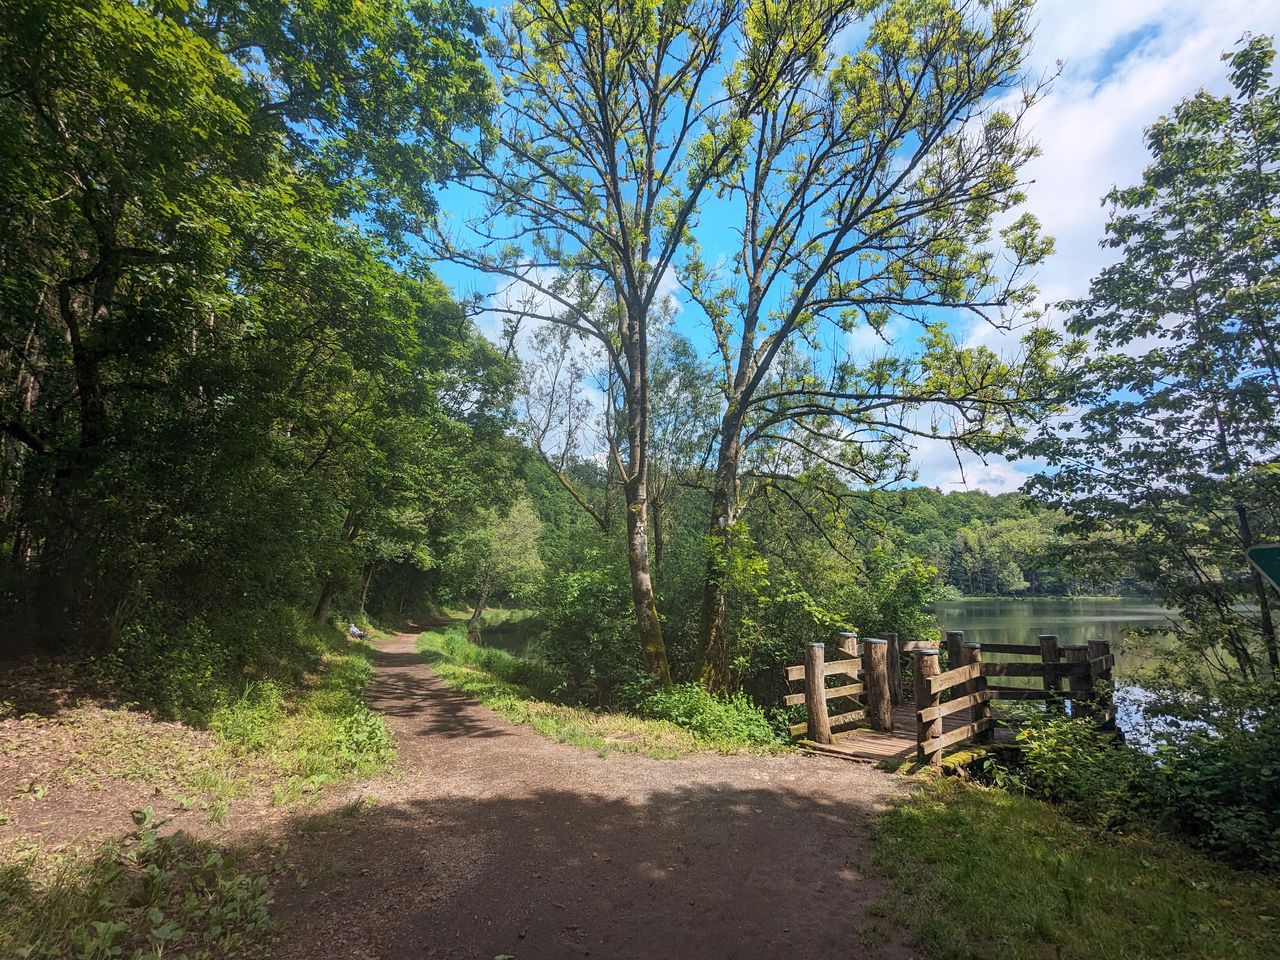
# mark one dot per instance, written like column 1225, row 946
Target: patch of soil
column 489, row 840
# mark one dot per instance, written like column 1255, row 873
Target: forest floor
column 488, row 840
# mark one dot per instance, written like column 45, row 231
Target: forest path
column 490, row 840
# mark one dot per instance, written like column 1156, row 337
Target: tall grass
column 673, row 724
column 324, row 732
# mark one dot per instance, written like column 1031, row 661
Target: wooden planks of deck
column 869, row 746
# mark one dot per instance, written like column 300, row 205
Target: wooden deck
column 869, row 746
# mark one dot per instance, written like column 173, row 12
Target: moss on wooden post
column 1100, row 681
column 1049, row 655
column 926, row 667
column 972, row 653
column 1079, row 686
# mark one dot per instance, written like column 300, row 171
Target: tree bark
column 1260, row 591
column 636, row 491
column 713, row 658
column 327, row 593
column 482, row 602
column 364, row 587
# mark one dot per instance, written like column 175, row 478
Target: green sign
column 1267, row 560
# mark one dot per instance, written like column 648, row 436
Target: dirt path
column 493, row 841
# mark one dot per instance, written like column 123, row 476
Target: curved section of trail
column 490, row 840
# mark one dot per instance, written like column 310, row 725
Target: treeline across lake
column 1007, row 545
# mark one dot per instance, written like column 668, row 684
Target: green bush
column 1219, row 774
column 189, row 673
column 734, row 719
column 1210, row 777
column 590, row 640
column 1067, row 761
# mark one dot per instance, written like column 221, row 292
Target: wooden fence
column 867, row 677
column 865, row 669
column 967, row 687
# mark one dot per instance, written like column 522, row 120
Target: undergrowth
column 142, row 898
column 523, row 690
column 986, row 873
column 324, row 733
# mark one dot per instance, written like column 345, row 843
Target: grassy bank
column 985, row 873
column 144, row 895
column 522, row 690
column 141, row 897
column 319, row 733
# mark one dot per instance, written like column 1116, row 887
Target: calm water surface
column 1073, row 620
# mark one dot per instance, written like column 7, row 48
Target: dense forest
column 240, row 399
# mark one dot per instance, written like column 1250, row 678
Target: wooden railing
column 866, row 664
column 1087, row 669
column 866, row 677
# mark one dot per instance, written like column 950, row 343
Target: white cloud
column 1090, row 126
column 939, row 467
column 1123, row 66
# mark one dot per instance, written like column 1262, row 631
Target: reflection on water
column 1074, row 620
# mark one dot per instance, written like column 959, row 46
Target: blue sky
column 1122, row 65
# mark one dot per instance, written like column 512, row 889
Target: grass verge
column 141, row 898
column 323, row 733
column 519, row 690
column 145, row 896
column 985, row 873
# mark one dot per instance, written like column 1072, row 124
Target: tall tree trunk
column 350, row 530
column 486, row 583
column 635, row 489
column 364, row 587
column 642, row 595
column 656, row 504
column 713, row 657
column 1260, row 591
column 327, row 593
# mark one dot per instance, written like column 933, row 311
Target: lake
column 1074, row 620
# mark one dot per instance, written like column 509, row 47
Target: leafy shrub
column 190, row 672
column 1067, row 761
column 731, row 720
column 152, row 896
column 1219, row 774
column 1210, row 777
column 589, row 640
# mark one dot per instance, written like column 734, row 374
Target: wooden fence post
column 972, row 653
column 1049, row 655
column 815, row 695
column 1100, row 680
column 1078, row 684
column 848, row 642
column 875, row 678
column 955, row 639
column 894, row 656
column 926, row 666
